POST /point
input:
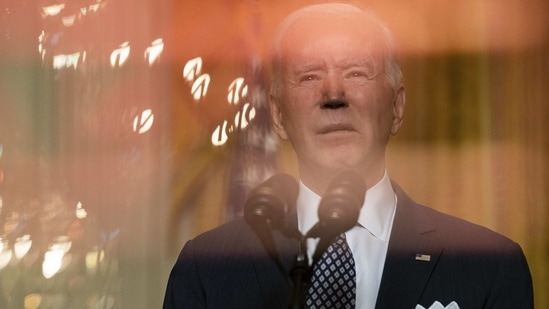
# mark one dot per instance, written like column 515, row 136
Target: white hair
column 391, row 61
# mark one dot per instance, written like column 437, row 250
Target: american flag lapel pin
column 423, row 257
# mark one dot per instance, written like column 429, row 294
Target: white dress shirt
column 368, row 240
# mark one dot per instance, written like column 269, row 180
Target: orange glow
column 32, row 301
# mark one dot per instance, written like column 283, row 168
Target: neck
column 319, row 180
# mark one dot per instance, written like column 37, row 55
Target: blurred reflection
column 66, row 61
column 200, row 86
column 219, row 135
column 52, row 10
column 51, row 259
column 80, row 211
column 5, row 253
column 79, row 111
column 93, row 259
column 55, row 258
column 237, row 90
column 22, row 246
column 153, row 52
column 143, row 122
column 90, row 109
column 192, row 69
column 120, row 55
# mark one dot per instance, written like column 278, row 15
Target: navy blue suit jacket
column 228, row 267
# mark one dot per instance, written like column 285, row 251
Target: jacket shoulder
column 452, row 230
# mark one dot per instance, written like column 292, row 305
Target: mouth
column 334, row 128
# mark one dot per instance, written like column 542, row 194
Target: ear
column 398, row 110
column 276, row 117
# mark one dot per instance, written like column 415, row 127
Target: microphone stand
column 301, row 272
column 324, row 242
column 301, row 276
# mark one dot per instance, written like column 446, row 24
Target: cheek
column 292, row 119
column 375, row 110
column 300, row 104
column 385, row 117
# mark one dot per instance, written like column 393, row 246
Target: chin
column 340, row 164
column 350, row 158
column 344, row 155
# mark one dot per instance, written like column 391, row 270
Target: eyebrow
column 357, row 63
column 345, row 64
column 309, row 67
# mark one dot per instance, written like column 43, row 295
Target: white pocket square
column 438, row 305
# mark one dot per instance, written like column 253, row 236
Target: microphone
column 269, row 202
column 340, row 206
column 266, row 208
column 338, row 210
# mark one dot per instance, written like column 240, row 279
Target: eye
column 361, row 74
column 362, row 71
column 308, row 78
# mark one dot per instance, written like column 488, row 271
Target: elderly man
column 337, row 97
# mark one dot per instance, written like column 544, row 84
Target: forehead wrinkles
column 348, row 38
column 298, row 59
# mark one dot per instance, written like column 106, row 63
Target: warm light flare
column 192, row 69
column 93, row 259
column 32, row 301
column 68, row 21
column 5, row 253
column 242, row 119
column 219, row 135
column 153, row 52
column 120, row 55
column 80, row 211
column 56, row 257
column 53, row 10
column 67, row 61
column 53, row 260
column 199, row 88
column 142, row 123
column 466, row 26
column 237, row 90
column 22, row 246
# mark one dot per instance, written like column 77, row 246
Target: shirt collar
column 375, row 215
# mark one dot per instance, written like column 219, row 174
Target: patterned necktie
column 333, row 284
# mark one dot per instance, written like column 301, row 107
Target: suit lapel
column 411, row 257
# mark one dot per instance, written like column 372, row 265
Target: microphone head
column 339, row 208
column 270, row 201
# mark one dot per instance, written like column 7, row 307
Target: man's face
column 335, row 104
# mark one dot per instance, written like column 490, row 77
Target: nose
column 333, row 96
column 334, row 104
